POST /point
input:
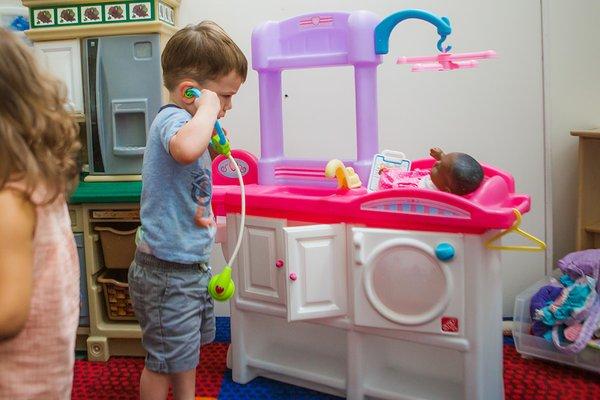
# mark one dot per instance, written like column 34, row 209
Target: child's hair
column 200, row 52
column 39, row 139
column 467, row 174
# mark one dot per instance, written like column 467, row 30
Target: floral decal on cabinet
column 139, row 11
column 43, row 17
column 113, row 12
column 67, row 16
column 91, row 14
column 165, row 13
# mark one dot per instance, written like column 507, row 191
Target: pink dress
column 395, row 178
column 38, row 362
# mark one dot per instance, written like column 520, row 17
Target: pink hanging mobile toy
column 446, row 61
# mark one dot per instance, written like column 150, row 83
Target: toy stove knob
column 445, row 251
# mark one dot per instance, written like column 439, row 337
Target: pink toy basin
column 302, row 192
column 490, row 207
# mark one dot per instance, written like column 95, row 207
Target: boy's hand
column 208, row 102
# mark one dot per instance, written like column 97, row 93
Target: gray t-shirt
column 171, row 195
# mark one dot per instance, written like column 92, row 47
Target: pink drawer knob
column 279, row 263
column 293, row 276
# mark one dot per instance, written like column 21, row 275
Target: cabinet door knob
column 293, row 276
column 279, row 263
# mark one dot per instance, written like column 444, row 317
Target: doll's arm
column 436, row 153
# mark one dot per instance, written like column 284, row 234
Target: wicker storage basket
column 116, row 295
column 118, row 246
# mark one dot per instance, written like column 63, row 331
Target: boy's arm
column 191, row 141
column 16, row 261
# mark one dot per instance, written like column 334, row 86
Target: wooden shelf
column 37, row 3
column 593, row 228
column 81, row 31
column 588, row 211
column 587, row 133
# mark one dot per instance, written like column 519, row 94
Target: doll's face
column 441, row 172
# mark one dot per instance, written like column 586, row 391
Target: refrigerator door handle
column 99, row 103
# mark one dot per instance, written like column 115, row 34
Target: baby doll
column 456, row 173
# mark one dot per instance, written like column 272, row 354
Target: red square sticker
column 449, row 324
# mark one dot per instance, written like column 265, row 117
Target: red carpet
column 523, row 379
column 119, row 378
column 536, row 380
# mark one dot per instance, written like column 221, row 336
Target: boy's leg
column 154, row 386
column 184, row 385
column 147, row 283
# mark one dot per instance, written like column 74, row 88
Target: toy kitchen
column 392, row 294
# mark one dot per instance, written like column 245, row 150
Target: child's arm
column 16, row 261
column 191, row 141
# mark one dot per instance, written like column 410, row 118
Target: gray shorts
column 175, row 311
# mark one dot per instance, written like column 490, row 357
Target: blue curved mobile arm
column 385, row 27
column 195, row 92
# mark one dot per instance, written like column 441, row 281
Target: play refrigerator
column 122, row 80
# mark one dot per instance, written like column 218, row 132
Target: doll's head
column 457, row 173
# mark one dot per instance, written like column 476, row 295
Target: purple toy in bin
column 579, row 263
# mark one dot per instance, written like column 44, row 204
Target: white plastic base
column 337, row 356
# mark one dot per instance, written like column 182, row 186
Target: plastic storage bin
column 534, row 346
column 116, row 295
column 118, row 246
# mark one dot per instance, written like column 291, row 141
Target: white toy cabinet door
column 62, row 58
column 315, row 267
column 260, row 260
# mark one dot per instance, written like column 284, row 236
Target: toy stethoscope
column 221, row 287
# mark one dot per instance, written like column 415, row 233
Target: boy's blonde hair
column 200, row 52
column 39, row 140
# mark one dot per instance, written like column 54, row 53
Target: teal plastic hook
column 384, row 28
column 439, row 45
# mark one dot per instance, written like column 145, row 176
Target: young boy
column 169, row 277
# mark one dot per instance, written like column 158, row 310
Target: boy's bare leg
column 184, row 385
column 154, row 386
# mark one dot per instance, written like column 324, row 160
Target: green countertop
column 107, row 192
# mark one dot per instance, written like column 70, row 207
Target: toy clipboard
column 387, row 158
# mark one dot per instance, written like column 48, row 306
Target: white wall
column 571, row 59
column 11, row 3
column 494, row 112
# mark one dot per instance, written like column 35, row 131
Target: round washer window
column 406, row 283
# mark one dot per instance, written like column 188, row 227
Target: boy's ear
column 182, row 87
